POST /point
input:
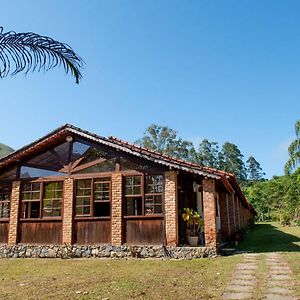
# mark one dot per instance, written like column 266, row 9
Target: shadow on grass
column 269, row 238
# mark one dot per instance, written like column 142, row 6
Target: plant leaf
column 22, row 52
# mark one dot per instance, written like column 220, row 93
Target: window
column 41, row 200
column 5, row 191
column 53, row 192
column 153, row 194
column 133, row 195
column 143, row 195
column 93, row 197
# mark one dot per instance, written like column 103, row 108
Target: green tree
column 277, row 199
column 208, row 154
column 165, row 140
column 294, row 152
column 22, row 52
column 254, row 170
column 231, row 160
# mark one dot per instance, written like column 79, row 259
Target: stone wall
column 105, row 251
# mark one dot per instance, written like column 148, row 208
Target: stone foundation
column 105, row 251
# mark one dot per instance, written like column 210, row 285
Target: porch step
column 227, row 251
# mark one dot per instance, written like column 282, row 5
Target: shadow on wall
column 270, row 237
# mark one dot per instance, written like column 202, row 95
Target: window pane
column 101, row 191
column 52, row 199
column 86, row 210
column 157, row 209
column 102, row 209
column 5, row 192
column 133, row 206
column 4, row 209
column 34, row 209
column 154, row 184
column 133, row 185
column 149, row 207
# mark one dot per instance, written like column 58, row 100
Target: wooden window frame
column 143, row 195
column 91, row 216
column 41, row 199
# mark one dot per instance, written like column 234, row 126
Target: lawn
column 114, row 279
column 141, row 279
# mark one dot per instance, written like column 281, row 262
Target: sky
column 221, row 70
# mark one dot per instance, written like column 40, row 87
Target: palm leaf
column 297, row 128
column 294, row 147
column 22, row 52
column 292, row 163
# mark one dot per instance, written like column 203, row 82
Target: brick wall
column 14, row 213
column 67, row 230
column 116, row 209
column 209, row 210
column 171, row 208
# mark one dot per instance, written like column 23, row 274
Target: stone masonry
column 67, row 231
column 116, row 209
column 14, row 213
column 171, row 208
column 209, row 209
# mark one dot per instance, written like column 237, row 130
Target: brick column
column 116, row 209
column 209, row 208
column 67, row 223
column 14, row 213
column 171, row 208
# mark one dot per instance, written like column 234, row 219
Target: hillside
column 4, row 150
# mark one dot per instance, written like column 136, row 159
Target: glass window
column 30, row 198
column 41, row 199
column 83, row 197
column 5, row 193
column 93, row 197
column 53, row 193
column 153, row 194
column 143, row 195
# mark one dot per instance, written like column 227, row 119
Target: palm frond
column 294, row 147
column 292, row 163
column 22, row 52
column 297, row 128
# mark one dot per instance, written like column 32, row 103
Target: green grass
column 144, row 279
column 271, row 237
column 115, row 279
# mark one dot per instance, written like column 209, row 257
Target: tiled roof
column 173, row 163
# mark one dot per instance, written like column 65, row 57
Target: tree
column 231, row 160
column 208, row 154
column 165, row 140
column 22, row 52
column 254, row 170
column 294, row 152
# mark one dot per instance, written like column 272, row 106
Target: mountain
column 4, row 150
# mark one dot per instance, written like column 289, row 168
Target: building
column 72, row 187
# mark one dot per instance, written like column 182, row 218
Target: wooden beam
column 89, row 164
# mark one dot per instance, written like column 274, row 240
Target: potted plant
column 194, row 223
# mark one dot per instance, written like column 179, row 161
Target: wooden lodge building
column 77, row 188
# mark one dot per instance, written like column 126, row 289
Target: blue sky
column 222, row 70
